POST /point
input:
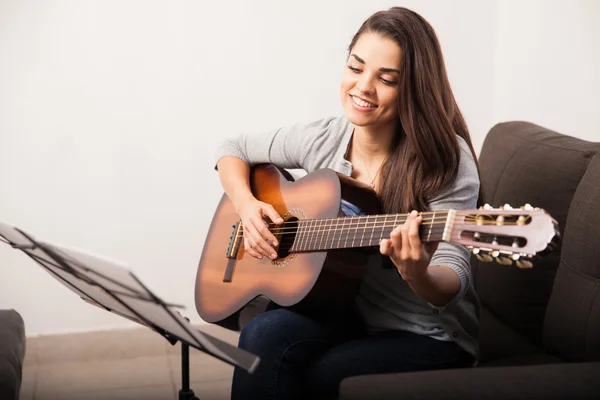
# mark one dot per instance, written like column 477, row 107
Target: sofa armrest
column 12, row 352
column 550, row 381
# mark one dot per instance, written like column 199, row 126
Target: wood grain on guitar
column 322, row 253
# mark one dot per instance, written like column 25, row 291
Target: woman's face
column 369, row 89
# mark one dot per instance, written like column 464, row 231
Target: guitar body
column 319, row 283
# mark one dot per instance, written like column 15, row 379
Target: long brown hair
column 425, row 152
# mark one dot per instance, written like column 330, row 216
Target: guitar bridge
column 234, row 241
column 232, row 251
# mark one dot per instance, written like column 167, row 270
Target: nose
column 365, row 84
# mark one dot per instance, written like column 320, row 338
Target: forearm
column 437, row 285
column 234, row 174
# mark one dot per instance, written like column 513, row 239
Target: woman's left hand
column 405, row 249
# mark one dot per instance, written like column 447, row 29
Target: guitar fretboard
column 361, row 231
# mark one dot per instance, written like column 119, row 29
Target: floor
column 120, row 364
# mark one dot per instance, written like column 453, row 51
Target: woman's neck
column 374, row 142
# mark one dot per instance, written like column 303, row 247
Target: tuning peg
column 504, row 261
column 506, row 207
column 500, row 220
column 484, row 257
column 487, row 207
column 524, row 264
column 527, row 207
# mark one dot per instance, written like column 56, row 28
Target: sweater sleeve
column 461, row 195
column 286, row 147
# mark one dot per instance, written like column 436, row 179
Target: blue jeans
column 305, row 358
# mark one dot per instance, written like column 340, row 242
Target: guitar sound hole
column 286, row 237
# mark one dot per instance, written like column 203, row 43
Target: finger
column 413, row 235
column 250, row 250
column 273, row 215
column 254, row 238
column 405, row 253
column 396, row 244
column 266, row 234
column 261, row 244
column 396, row 238
column 385, row 247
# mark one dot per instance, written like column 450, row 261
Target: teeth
column 362, row 103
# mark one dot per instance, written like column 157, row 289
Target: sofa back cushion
column 572, row 325
column 524, row 163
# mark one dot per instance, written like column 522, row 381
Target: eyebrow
column 382, row 69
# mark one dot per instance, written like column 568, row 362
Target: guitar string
column 366, row 226
column 360, row 221
column 320, row 245
column 440, row 214
column 434, row 229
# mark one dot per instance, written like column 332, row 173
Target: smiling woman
column 402, row 134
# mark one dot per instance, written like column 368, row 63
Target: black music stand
column 108, row 285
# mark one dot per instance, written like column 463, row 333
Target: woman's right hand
column 258, row 240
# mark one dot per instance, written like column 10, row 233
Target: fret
column 323, row 234
column 305, row 235
column 312, row 233
column 382, row 229
column 395, row 223
column 303, row 244
column 344, row 231
column 431, row 227
column 354, row 231
column 338, row 230
column 363, row 230
column 372, row 232
column 296, row 245
column 312, row 240
column 327, row 232
column 348, row 232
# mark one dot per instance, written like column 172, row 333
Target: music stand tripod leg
column 185, row 393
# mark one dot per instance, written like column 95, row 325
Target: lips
column 362, row 102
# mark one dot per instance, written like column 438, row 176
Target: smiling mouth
column 362, row 103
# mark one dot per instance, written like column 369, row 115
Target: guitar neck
column 365, row 231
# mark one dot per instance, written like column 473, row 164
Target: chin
column 359, row 119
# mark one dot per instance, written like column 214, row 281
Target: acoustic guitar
column 323, row 253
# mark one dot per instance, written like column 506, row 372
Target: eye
column 390, row 83
column 355, row 70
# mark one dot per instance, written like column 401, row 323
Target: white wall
column 547, row 65
column 110, row 113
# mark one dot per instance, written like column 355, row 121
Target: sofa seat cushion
column 12, row 353
column 533, row 359
column 550, row 381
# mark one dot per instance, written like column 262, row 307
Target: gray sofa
column 12, row 353
column 540, row 328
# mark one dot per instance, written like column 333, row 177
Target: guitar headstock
column 505, row 234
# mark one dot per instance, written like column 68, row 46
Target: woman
column 404, row 135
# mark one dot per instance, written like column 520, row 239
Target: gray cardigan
column 384, row 300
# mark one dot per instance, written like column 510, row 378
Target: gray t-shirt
column 384, row 300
